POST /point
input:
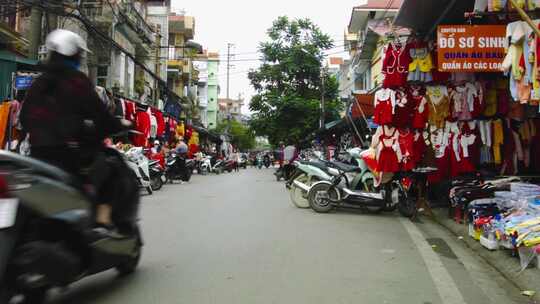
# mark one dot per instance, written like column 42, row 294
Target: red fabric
column 187, row 133
column 419, row 120
column 143, row 126
column 160, row 121
column 396, row 66
column 419, row 148
column 383, row 112
column 404, row 113
column 406, row 144
column 479, row 107
column 130, row 111
column 388, row 161
column 503, row 102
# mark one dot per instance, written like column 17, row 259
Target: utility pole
column 323, row 92
column 34, row 31
column 229, row 46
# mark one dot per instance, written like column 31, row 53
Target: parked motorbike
column 179, row 167
column 259, row 162
column 243, row 162
column 355, row 187
column 306, row 174
column 285, row 171
column 204, row 166
column 267, row 162
column 138, row 162
column 230, row 165
column 46, row 228
column 218, row 165
column 157, row 175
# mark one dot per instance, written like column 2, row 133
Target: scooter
column 205, row 165
column 179, row 168
column 355, row 187
column 259, row 162
column 305, row 175
column 267, row 161
column 46, row 228
column 157, row 175
column 230, row 165
column 285, row 171
column 139, row 164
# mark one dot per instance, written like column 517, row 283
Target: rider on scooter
column 67, row 121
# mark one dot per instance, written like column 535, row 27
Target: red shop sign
column 470, row 48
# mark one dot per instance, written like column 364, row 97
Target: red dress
column 396, row 65
column 160, row 121
column 406, row 145
column 384, row 107
column 388, row 160
column 404, row 111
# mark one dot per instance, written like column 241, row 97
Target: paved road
column 236, row 238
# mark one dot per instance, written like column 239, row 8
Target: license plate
column 8, row 212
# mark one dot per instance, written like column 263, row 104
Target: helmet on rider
column 65, row 47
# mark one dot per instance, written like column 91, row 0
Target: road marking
column 446, row 287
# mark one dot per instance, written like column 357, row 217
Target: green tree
column 288, row 84
column 242, row 136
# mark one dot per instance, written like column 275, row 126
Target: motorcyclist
column 68, row 122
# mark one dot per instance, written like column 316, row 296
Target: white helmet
column 65, row 42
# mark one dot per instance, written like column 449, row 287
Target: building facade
column 213, row 90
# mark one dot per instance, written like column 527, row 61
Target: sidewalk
column 502, row 259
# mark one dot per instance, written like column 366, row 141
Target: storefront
column 461, row 96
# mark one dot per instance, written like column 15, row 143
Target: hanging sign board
column 470, row 48
column 23, row 82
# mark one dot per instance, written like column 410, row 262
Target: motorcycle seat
column 345, row 167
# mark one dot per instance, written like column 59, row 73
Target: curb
column 499, row 260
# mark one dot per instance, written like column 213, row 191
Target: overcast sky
column 244, row 23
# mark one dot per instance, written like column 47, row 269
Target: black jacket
column 62, row 109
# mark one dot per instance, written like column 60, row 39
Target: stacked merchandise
column 508, row 216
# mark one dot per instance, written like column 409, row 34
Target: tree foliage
column 288, row 84
column 242, row 136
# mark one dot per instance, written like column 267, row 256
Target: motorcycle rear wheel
column 317, row 200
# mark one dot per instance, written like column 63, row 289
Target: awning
column 423, row 16
column 9, row 56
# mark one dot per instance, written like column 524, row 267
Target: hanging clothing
column 153, row 124
column 439, row 106
column 419, row 147
column 406, row 146
column 143, row 126
column 130, row 111
column 498, row 140
column 160, row 122
column 461, row 106
column 421, row 112
column 396, row 65
column 404, row 110
column 387, row 157
column 4, row 122
column 421, row 64
column 385, row 100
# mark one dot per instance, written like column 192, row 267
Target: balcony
column 125, row 14
column 184, row 25
column 132, row 13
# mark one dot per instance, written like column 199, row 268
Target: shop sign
column 470, row 48
column 23, row 82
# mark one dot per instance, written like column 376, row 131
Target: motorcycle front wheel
column 320, row 197
column 156, row 183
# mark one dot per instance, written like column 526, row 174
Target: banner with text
column 470, row 48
